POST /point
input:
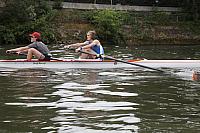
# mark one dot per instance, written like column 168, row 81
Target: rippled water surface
column 102, row 101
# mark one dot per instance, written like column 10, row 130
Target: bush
column 143, row 24
column 21, row 17
column 108, row 24
column 192, row 8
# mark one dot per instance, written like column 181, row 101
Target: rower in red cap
column 37, row 48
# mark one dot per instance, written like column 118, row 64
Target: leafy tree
column 192, row 7
column 21, row 17
column 108, row 23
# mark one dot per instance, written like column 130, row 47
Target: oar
column 131, row 63
column 25, row 54
column 122, row 61
column 14, row 52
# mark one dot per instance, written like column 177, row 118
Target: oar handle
column 14, row 52
column 11, row 52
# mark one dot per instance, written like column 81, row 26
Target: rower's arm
column 75, row 45
column 95, row 42
column 19, row 49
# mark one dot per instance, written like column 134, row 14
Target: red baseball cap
column 36, row 35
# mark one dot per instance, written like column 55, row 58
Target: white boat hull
column 97, row 64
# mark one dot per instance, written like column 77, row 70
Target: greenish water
column 107, row 100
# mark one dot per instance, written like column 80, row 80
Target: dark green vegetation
column 108, row 24
column 161, row 28
column 19, row 18
column 129, row 27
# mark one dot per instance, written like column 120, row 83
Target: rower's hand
column 67, row 46
column 18, row 52
column 78, row 50
column 98, row 56
column 9, row 51
column 12, row 52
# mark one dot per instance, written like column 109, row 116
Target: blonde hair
column 92, row 33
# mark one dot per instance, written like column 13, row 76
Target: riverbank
column 137, row 28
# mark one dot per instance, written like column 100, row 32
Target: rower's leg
column 92, row 52
column 88, row 56
column 83, row 56
column 24, row 51
column 34, row 52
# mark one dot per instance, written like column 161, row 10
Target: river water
column 102, row 101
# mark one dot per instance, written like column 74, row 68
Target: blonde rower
column 91, row 45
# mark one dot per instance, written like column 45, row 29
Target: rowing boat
column 97, row 64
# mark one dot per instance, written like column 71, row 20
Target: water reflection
column 89, row 101
column 81, row 99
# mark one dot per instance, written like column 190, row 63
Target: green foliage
column 191, row 26
column 143, row 24
column 117, row 26
column 57, row 4
column 108, row 24
column 192, row 7
column 21, row 17
column 147, row 26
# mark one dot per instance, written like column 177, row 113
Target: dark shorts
column 46, row 58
